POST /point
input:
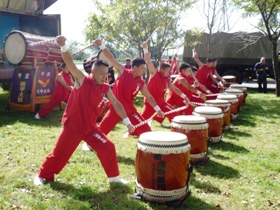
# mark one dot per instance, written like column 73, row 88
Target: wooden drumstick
column 151, row 35
column 166, row 113
column 75, row 53
column 33, row 44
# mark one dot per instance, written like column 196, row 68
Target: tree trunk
column 275, row 66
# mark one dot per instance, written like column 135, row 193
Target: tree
column 127, row 23
column 269, row 11
column 217, row 14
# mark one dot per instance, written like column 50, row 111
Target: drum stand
column 172, row 203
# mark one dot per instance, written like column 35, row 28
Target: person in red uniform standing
column 209, row 80
column 184, row 82
column 63, row 87
column 79, row 121
column 127, row 86
column 158, row 83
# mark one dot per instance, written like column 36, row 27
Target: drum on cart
column 162, row 163
column 224, row 105
column 21, row 48
column 196, row 129
column 214, row 117
column 234, row 104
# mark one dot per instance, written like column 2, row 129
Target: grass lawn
column 242, row 173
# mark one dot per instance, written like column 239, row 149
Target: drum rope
column 33, row 44
column 197, row 103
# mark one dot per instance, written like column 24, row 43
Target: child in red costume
column 158, row 83
column 127, row 86
column 79, row 121
column 63, row 87
column 184, row 82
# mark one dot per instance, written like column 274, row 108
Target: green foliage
column 192, row 37
column 127, row 23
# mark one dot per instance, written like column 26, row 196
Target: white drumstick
column 75, row 53
column 33, row 44
column 151, row 35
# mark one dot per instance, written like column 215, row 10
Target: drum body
column 230, row 79
column 196, row 129
column 162, row 163
column 240, row 87
column 214, row 117
column 234, row 104
column 18, row 51
column 225, row 106
column 238, row 93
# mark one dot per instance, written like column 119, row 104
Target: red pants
column 54, row 100
column 187, row 111
column 68, row 141
column 111, row 118
column 148, row 111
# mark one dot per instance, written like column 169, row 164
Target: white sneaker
column 126, row 135
column 150, row 123
column 117, row 180
column 38, row 181
column 37, row 116
column 86, row 147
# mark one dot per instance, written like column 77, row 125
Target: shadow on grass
column 228, row 146
column 118, row 195
column 213, row 168
column 203, row 185
column 126, row 160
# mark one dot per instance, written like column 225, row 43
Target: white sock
column 117, row 179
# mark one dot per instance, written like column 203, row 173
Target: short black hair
column 194, row 68
column 128, row 59
column 63, row 65
column 209, row 60
column 138, row 62
column 99, row 62
column 184, row 66
column 164, row 65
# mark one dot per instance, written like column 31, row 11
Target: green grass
column 242, row 173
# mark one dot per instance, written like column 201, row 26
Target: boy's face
column 100, row 74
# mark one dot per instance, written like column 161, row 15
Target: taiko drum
column 238, row 93
column 224, row 105
column 162, row 163
column 196, row 129
column 240, row 87
column 234, row 104
column 214, row 117
column 230, row 79
column 18, row 51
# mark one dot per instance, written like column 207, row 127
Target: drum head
column 208, row 110
column 15, row 47
column 228, row 77
column 189, row 119
column 234, row 91
column 217, row 102
column 227, row 97
column 101, row 56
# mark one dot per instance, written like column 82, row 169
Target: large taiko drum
column 230, row 79
column 88, row 62
column 238, row 93
column 18, row 49
column 215, row 119
column 234, row 104
column 162, row 163
column 240, row 87
column 196, row 129
column 224, row 105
